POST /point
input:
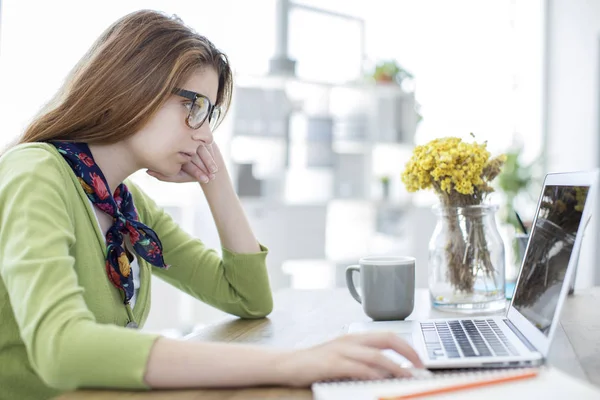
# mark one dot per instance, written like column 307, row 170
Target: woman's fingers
column 374, row 358
column 195, row 172
column 207, row 158
column 202, row 166
column 388, row 340
column 348, row 368
column 197, row 161
column 211, row 149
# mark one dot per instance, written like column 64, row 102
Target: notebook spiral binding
column 484, row 372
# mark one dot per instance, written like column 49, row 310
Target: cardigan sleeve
column 61, row 336
column 236, row 283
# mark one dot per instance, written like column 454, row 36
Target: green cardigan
column 62, row 323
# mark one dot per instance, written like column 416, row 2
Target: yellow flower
column 452, row 168
column 124, row 266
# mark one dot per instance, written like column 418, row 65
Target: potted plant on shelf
column 390, row 71
column 385, row 186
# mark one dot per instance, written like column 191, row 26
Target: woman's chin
column 169, row 171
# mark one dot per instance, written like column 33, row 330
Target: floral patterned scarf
column 125, row 219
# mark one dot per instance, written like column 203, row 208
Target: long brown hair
column 125, row 77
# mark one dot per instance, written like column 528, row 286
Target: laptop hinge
column 520, row 335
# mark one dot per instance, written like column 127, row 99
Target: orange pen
column 470, row 385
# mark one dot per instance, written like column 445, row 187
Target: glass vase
column 466, row 260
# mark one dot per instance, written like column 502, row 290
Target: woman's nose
column 203, row 134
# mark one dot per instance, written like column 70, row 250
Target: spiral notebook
column 550, row 383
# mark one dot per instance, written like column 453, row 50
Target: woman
column 78, row 240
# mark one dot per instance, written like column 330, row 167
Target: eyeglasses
column 199, row 109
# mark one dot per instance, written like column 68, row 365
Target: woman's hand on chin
column 202, row 167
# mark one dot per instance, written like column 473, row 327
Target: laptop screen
column 549, row 250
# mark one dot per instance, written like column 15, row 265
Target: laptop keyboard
column 465, row 338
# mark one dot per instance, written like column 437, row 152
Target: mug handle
column 350, row 282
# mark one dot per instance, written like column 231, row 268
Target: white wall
column 42, row 40
column 477, row 63
column 572, row 124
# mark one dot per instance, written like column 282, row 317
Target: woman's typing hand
column 354, row 356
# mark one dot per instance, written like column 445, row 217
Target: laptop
column 523, row 335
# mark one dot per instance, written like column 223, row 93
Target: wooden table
column 304, row 318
